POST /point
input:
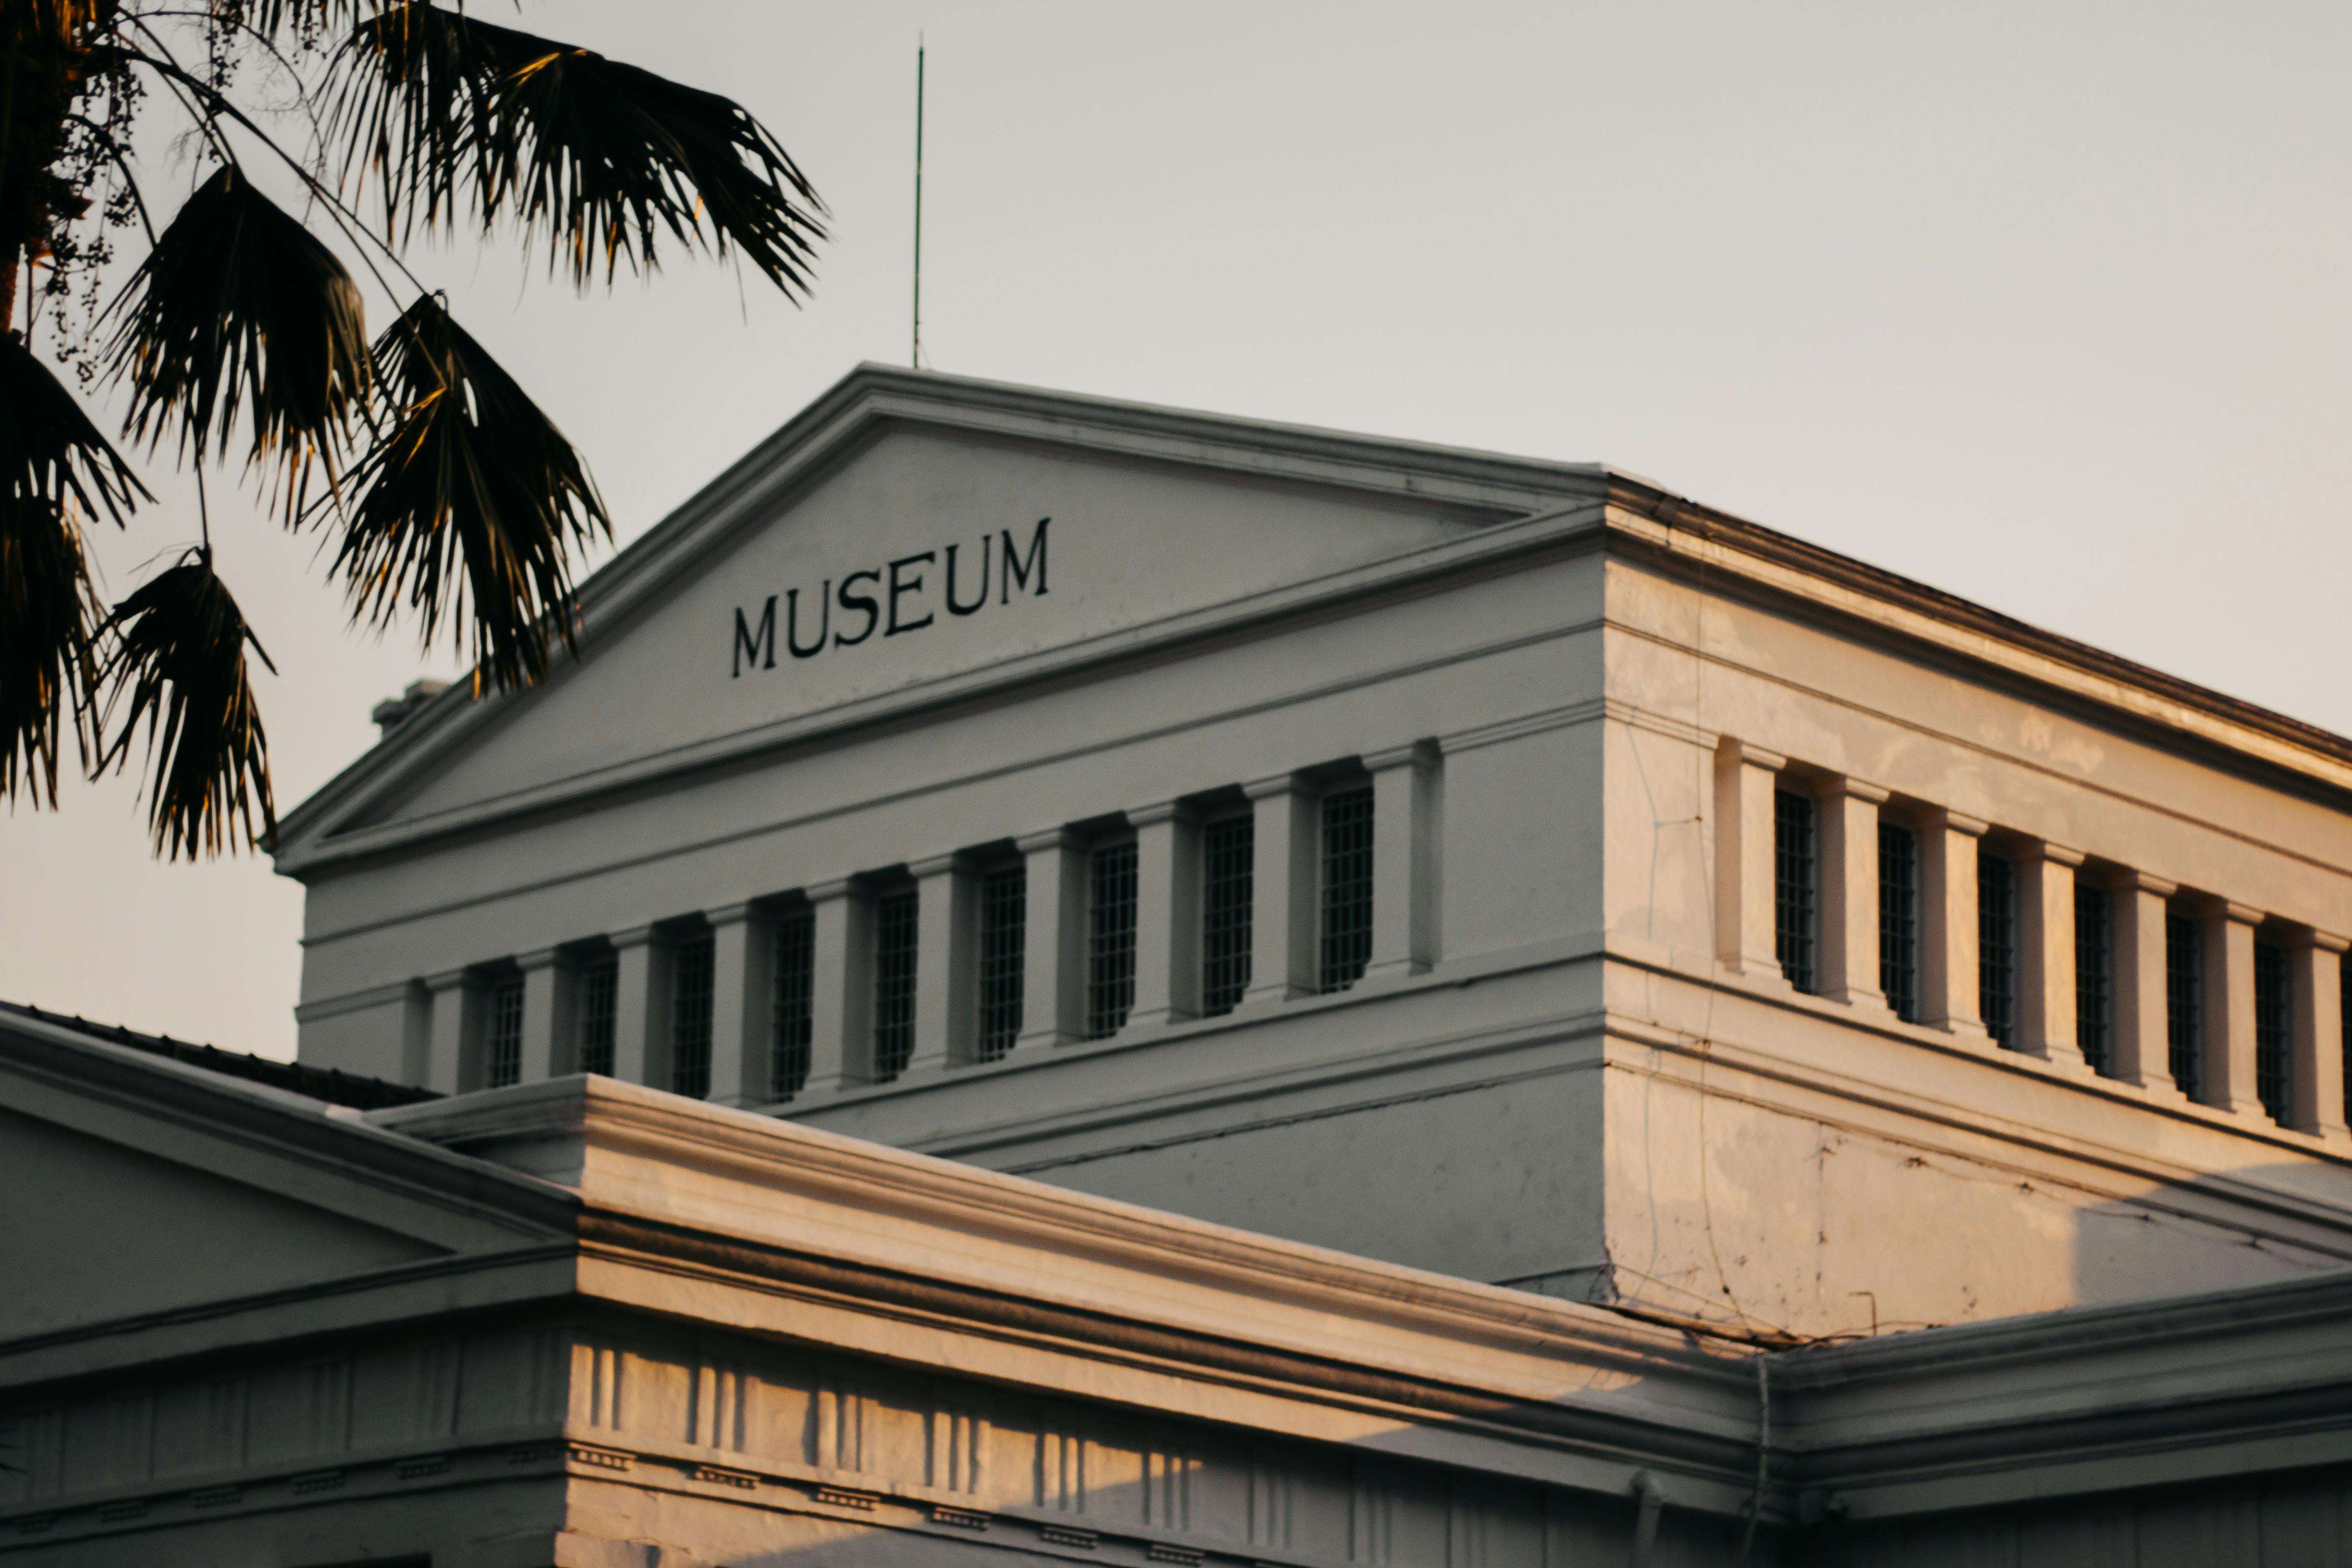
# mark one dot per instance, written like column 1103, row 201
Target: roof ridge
column 332, row 1085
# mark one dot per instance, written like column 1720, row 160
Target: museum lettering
column 899, row 596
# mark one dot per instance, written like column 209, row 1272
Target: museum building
column 1099, row 982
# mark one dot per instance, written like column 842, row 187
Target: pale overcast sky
column 2046, row 304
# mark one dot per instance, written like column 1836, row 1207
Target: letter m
column 1016, row 570
column 749, row 645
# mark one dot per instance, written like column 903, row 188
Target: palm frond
column 408, row 97
column 469, row 507
column 55, row 470
column 239, row 311
column 602, row 158
column 178, row 663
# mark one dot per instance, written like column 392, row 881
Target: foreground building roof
column 581, row 1322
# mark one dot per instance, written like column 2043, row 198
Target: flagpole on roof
column 918, row 354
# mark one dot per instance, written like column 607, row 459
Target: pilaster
column 1745, row 777
column 841, row 1000
column 551, row 1028
column 742, row 951
column 640, row 1032
column 1167, row 914
column 452, row 1045
column 1849, row 826
column 1406, row 781
column 944, row 969
column 1947, row 924
column 1282, row 957
column 2143, row 1052
column 1054, row 966
column 2046, row 998
column 2227, row 930
column 2315, row 1072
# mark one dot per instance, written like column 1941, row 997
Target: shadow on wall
column 2168, row 1242
column 1354, row 1510
column 2291, row 1522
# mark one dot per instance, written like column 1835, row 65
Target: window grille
column 2094, row 977
column 1796, row 884
column 1228, row 850
column 1003, row 921
column 1110, row 939
column 1347, row 888
column 502, row 1061
column 600, row 998
column 1898, row 919
column 1997, row 946
column 895, row 933
column 2184, row 997
column 2270, row 1008
column 793, row 1015
column 691, row 963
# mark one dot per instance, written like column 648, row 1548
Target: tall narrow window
column 896, row 930
column 2271, row 1008
column 1110, row 939
column 1347, row 888
column 1004, row 927
column 1228, row 850
column 1796, row 890
column 2344, row 980
column 2184, row 1004
column 792, row 1020
column 2094, row 976
column 600, row 998
column 1898, row 919
column 502, row 1041
column 1997, row 946
column 690, row 1030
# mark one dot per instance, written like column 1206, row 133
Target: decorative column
column 945, row 994
column 2143, row 1052
column 2045, row 953
column 550, row 1022
column 1405, row 785
column 1947, row 925
column 1167, row 915
column 1745, row 778
column 1282, row 931
column 742, row 985
column 451, row 1046
column 1849, row 824
column 841, row 981
column 2227, row 932
column 2315, row 983
column 640, row 1033
column 1054, row 951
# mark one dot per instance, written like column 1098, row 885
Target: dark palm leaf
column 55, row 470
column 178, row 659
column 239, row 310
column 410, row 95
column 601, row 156
column 473, row 500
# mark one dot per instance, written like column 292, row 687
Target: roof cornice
column 1525, row 502
column 1731, row 551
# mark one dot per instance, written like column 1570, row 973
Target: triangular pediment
column 131, row 1185
column 913, row 535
